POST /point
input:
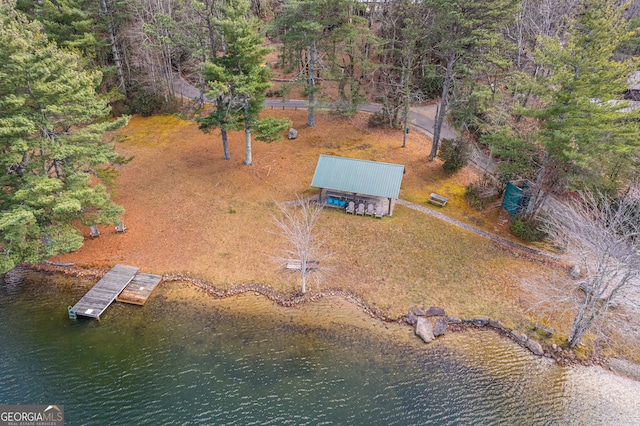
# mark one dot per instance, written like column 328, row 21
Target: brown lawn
column 189, row 211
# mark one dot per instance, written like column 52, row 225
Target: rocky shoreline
column 417, row 317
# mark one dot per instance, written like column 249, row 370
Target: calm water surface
column 173, row 362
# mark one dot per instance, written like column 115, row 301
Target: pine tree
column 464, row 34
column 66, row 22
column 51, row 126
column 238, row 78
column 585, row 126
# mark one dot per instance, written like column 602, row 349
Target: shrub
column 527, row 230
column 454, row 153
column 377, row 120
column 277, row 92
column 146, row 103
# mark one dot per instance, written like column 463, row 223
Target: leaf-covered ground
column 189, row 211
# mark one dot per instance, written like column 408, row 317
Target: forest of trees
column 537, row 85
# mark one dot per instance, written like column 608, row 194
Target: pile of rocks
column 428, row 330
column 425, row 329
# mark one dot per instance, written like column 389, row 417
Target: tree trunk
column 247, row 134
column 303, row 274
column 225, row 144
column 311, row 112
column 114, row 47
column 406, row 71
column 437, row 126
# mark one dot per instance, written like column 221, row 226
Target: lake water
column 185, row 358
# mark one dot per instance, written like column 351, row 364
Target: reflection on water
column 178, row 361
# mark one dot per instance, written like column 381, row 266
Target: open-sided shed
column 358, row 180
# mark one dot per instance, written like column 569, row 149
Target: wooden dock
column 139, row 289
column 94, row 303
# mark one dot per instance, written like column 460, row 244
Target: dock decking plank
column 94, row 303
column 139, row 289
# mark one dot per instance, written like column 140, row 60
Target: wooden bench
column 296, row 264
column 437, row 199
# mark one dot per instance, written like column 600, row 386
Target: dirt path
column 475, row 230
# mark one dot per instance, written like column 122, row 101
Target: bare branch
column 601, row 236
column 298, row 225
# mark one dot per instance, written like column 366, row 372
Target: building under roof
column 358, row 180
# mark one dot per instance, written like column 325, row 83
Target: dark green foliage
column 583, row 128
column 527, row 230
column 146, row 103
column 630, row 47
column 270, row 129
column 455, row 154
column 68, row 23
column 51, row 122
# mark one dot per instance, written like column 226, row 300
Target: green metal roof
column 358, row 176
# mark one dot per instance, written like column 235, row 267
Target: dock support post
column 72, row 313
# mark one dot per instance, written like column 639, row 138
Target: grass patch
column 187, row 209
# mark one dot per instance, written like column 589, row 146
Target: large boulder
column 440, row 326
column 435, row 312
column 293, row 133
column 424, row 329
column 534, row 347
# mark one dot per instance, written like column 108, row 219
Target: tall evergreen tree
column 238, row 79
column 66, row 22
column 464, row 34
column 51, row 126
column 585, row 126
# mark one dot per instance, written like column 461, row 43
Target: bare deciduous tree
column 298, row 225
column 602, row 237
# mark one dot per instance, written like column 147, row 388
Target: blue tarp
column 511, row 201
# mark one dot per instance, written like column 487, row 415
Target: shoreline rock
column 454, row 324
column 424, row 330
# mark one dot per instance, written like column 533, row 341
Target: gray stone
column 435, row 312
column 481, row 322
column 424, row 329
column 575, row 272
column 419, row 312
column 293, row 133
column 440, row 326
column 411, row 319
column 498, row 326
column 515, row 335
column 534, row 347
column 454, row 320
